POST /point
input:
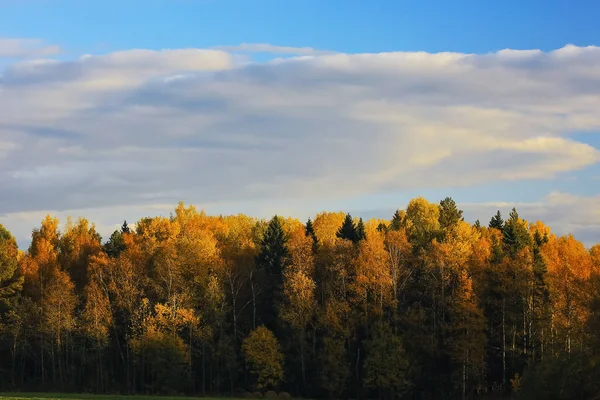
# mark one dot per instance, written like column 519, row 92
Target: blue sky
column 183, row 100
column 343, row 25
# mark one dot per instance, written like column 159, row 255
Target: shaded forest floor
column 87, row 396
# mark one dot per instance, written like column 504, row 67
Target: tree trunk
column 503, row 343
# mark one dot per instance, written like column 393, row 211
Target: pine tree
column 497, row 222
column 397, row 221
column 382, row 228
column 541, row 294
column 115, row 245
column 270, row 261
column 477, row 224
column 360, row 231
column 514, row 234
column 449, row 213
column 309, row 230
column 10, row 283
column 386, row 365
column 273, row 249
column 125, row 228
column 348, row 229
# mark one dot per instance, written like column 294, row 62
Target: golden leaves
column 263, row 354
column 326, row 225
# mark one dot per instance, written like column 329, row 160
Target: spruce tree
column 477, row 224
column 273, row 249
column 497, row 222
column 115, row 245
column 309, row 230
column 10, row 281
column 125, row 228
column 348, row 229
column 360, row 231
column 397, row 221
column 539, row 265
column 270, row 261
column 449, row 213
column 381, row 227
column 514, row 234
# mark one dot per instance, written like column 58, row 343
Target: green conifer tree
column 449, row 213
column 514, row 235
column 115, row 245
column 310, row 231
column 348, row 229
column 125, row 228
column 10, row 282
column 497, row 222
column 360, row 231
column 270, row 261
column 397, row 221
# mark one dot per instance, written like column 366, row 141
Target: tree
column 382, row 228
column 360, row 231
column 115, row 245
column 77, row 244
column 334, row 370
column 497, row 222
column 273, row 249
column 264, row 358
column 10, row 282
column 477, row 224
column 385, row 363
column 125, row 228
column 515, row 234
column 298, row 310
column 326, row 226
column 422, row 222
column 271, row 261
column 449, row 213
column 540, row 299
column 397, row 220
column 348, row 229
column 310, row 231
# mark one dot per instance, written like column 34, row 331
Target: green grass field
column 85, row 396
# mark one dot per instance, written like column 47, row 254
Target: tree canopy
column 424, row 305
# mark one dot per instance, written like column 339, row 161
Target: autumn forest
column 421, row 306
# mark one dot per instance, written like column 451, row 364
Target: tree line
column 422, row 306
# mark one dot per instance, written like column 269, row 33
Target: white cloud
column 272, row 49
column 143, row 127
column 24, row 48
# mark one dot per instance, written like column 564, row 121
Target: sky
column 115, row 110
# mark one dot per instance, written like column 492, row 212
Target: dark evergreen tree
column 10, row 280
column 360, row 231
column 497, row 222
column 449, row 213
column 270, row 261
column 514, row 235
column 125, row 228
column 273, row 248
column 115, row 245
column 540, row 295
column 310, row 231
column 477, row 224
column 348, row 229
column 382, row 227
column 397, row 221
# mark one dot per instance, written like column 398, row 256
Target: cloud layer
column 145, row 127
column 25, row 48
